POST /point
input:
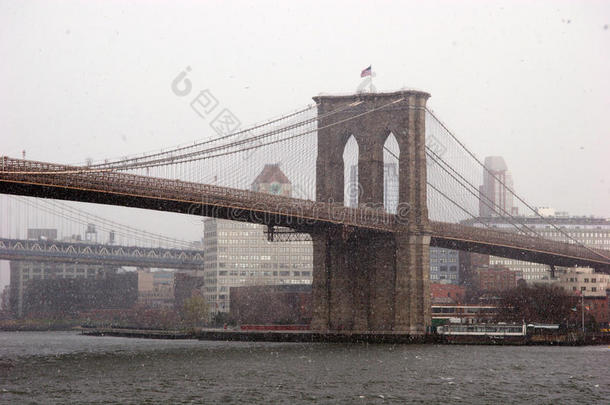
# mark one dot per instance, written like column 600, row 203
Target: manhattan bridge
column 370, row 261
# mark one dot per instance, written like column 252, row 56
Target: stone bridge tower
column 364, row 281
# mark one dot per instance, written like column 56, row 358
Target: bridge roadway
column 48, row 180
column 94, row 253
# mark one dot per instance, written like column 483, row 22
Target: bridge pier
column 412, row 284
column 371, row 283
column 367, row 281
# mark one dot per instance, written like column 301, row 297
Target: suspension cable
column 511, row 191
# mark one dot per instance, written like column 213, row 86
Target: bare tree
column 538, row 303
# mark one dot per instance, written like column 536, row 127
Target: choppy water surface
column 65, row 367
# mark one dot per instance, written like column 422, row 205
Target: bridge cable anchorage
column 436, row 158
column 558, row 229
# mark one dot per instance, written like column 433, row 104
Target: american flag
column 366, row 72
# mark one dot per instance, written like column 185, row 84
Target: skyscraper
column 390, row 187
column 239, row 254
column 495, row 198
column 352, row 190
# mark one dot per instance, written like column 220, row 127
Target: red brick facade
column 446, row 293
column 494, row 279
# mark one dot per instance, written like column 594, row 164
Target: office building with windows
column 590, row 231
column 239, row 254
column 583, row 280
column 444, row 266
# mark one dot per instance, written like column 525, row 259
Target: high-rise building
column 390, row 187
column 272, row 180
column 353, row 189
column 495, row 198
column 444, row 266
column 590, row 231
column 239, row 254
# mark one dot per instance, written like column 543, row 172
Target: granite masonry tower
column 367, row 281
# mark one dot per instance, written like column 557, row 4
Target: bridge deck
column 49, row 180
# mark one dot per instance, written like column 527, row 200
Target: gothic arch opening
column 391, row 153
column 351, row 186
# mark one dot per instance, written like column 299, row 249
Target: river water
column 65, row 367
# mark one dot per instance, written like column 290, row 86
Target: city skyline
column 268, row 202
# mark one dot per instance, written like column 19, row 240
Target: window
column 593, row 289
column 583, row 288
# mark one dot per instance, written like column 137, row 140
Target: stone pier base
column 370, row 282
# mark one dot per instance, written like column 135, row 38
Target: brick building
column 494, row 278
column 446, row 293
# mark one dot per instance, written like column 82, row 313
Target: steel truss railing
column 276, row 210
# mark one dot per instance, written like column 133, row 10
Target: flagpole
column 582, row 306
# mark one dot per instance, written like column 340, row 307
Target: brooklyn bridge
column 371, row 260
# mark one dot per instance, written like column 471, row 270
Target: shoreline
column 315, row 337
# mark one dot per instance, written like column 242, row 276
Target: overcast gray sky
column 526, row 80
